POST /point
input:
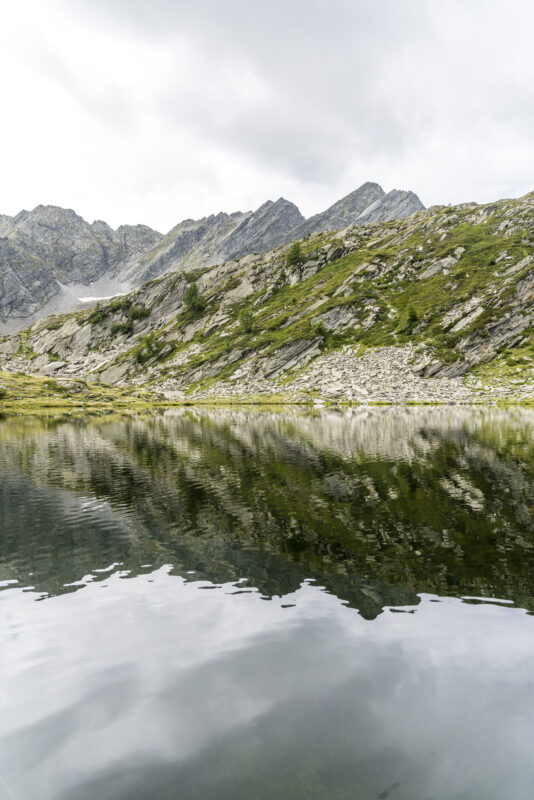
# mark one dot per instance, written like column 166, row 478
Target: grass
column 21, row 393
column 381, row 286
column 417, row 305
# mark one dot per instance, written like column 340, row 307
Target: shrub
column 139, row 312
column 120, row 304
column 294, row 255
column 246, row 320
column 319, row 329
column 413, row 317
column 96, row 315
column 408, row 321
column 150, row 347
column 122, row 327
column 193, row 299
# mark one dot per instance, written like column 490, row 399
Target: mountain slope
column 211, row 240
column 50, row 257
column 343, row 213
column 389, row 311
column 43, row 249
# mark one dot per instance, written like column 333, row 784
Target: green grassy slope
column 459, row 280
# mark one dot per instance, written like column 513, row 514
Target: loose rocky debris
column 385, row 375
column 415, row 310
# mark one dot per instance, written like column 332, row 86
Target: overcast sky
column 157, row 110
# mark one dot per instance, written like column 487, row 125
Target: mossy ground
column 409, row 309
column 21, row 393
column 380, row 282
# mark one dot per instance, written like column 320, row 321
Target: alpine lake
column 268, row 604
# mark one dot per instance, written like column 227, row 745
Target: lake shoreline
column 23, row 393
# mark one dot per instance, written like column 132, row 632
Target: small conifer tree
column 193, row 299
column 294, row 255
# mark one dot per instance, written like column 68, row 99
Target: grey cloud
column 343, row 79
column 312, row 98
column 326, row 82
column 109, row 101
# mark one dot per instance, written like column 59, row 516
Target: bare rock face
column 343, row 213
column 24, row 284
column 367, row 204
column 218, row 238
column 396, row 204
column 74, row 250
column 42, row 249
column 50, row 257
column 189, row 245
column 265, row 229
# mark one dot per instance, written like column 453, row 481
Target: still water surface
column 249, row 604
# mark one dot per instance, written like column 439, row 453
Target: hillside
column 438, row 306
column 51, row 258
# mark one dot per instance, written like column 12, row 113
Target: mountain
column 343, row 213
column 50, row 257
column 369, row 203
column 48, row 248
column 438, row 306
column 211, row 240
column 396, row 204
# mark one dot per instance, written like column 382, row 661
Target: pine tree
column 294, row 255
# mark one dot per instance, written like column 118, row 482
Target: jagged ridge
column 374, row 311
column 50, row 257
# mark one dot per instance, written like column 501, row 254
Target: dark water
column 256, row 605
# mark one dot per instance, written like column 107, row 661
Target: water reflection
column 376, row 505
column 249, row 604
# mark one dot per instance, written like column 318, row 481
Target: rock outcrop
column 44, row 249
column 343, row 213
column 436, row 307
column 50, row 257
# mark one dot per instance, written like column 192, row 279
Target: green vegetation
column 29, row 394
column 294, row 255
column 97, row 315
column 193, row 299
column 100, row 312
column 149, row 348
column 246, row 320
column 408, row 321
column 127, row 327
column 54, row 324
column 404, row 282
column 139, row 312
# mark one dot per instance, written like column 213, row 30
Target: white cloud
column 137, row 112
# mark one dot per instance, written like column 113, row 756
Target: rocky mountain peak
column 344, row 212
column 262, row 230
column 49, row 247
column 396, row 204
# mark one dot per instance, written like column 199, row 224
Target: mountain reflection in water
column 377, row 505
column 130, row 677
